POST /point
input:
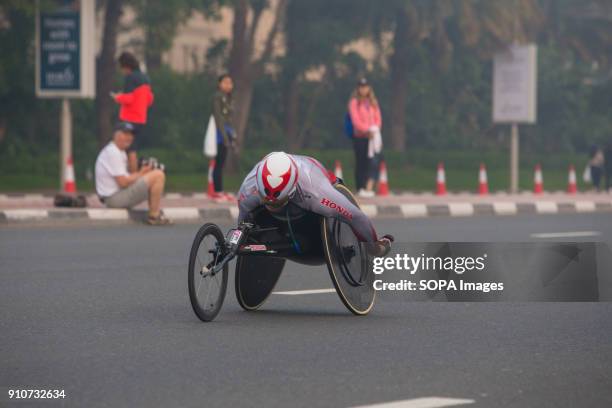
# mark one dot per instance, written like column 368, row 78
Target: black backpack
column 68, row 200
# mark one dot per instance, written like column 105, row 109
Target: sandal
column 161, row 219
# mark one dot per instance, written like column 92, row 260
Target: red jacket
column 135, row 99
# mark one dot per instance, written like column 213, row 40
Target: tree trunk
column 240, row 54
column 243, row 69
column 292, row 106
column 399, row 81
column 105, row 67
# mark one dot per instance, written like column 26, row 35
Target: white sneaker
column 365, row 193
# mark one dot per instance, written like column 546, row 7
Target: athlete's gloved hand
column 382, row 246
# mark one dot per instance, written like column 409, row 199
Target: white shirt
column 112, row 162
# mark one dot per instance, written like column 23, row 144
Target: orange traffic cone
column 571, row 180
column 383, row 181
column 483, row 184
column 538, row 181
column 69, row 182
column 211, row 183
column 440, row 180
column 338, row 169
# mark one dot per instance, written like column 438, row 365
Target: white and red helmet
column 277, row 177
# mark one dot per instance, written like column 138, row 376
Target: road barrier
column 571, row 180
column 210, row 182
column 483, row 184
column 383, row 181
column 538, row 180
column 338, row 169
column 69, row 181
column 440, row 180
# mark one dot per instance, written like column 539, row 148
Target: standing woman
column 367, row 122
column 226, row 135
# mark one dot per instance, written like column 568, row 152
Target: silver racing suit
column 315, row 192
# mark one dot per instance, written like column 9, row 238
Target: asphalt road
column 104, row 314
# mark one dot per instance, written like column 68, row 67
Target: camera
column 153, row 162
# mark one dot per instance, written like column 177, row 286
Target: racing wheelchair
column 261, row 249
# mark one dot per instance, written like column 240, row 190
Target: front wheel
column 207, row 291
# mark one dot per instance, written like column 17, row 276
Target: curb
column 192, row 214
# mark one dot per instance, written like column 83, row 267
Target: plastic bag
column 210, row 139
column 586, row 174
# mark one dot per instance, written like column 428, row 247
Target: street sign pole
column 66, row 139
column 515, row 96
column 514, row 159
column 65, row 61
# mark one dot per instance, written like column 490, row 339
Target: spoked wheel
column 348, row 263
column 206, row 291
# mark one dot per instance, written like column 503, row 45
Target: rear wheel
column 348, row 263
column 206, row 291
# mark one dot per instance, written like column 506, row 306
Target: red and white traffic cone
column 383, row 180
column 538, row 180
column 69, row 181
column 338, row 170
column 571, row 180
column 440, row 180
column 211, row 184
column 483, row 184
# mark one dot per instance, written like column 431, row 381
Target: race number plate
column 235, row 237
column 255, row 248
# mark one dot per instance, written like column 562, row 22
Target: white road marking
column 234, row 211
column 414, row 210
column 546, row 207
column 182, row 213
column 305, row 292
column 460, row 209
column 370, row 210
column 107, row 214
column 25, row 214
column 584, row 206
column 570, row 234
column 426, row 402
column 504, row 208
column 34, row 197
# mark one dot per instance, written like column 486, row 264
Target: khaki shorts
column 130, row 196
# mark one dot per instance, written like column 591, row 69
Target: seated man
column 281, row 178
column 117, row 188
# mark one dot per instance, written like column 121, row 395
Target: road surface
column 103, row 313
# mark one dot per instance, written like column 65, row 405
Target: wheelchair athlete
column 280, row 179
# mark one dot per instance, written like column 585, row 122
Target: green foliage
column 183, row 105
column 448, row 110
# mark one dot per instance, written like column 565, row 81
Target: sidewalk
column 196, row 207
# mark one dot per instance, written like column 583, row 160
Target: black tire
column 205, row 306
column 355, row 289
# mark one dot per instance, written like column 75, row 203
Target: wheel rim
column 208, row 288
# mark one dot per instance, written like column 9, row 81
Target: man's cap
column 125, row 127
column 362, row 82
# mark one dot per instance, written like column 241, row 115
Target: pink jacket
column 364, row 116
